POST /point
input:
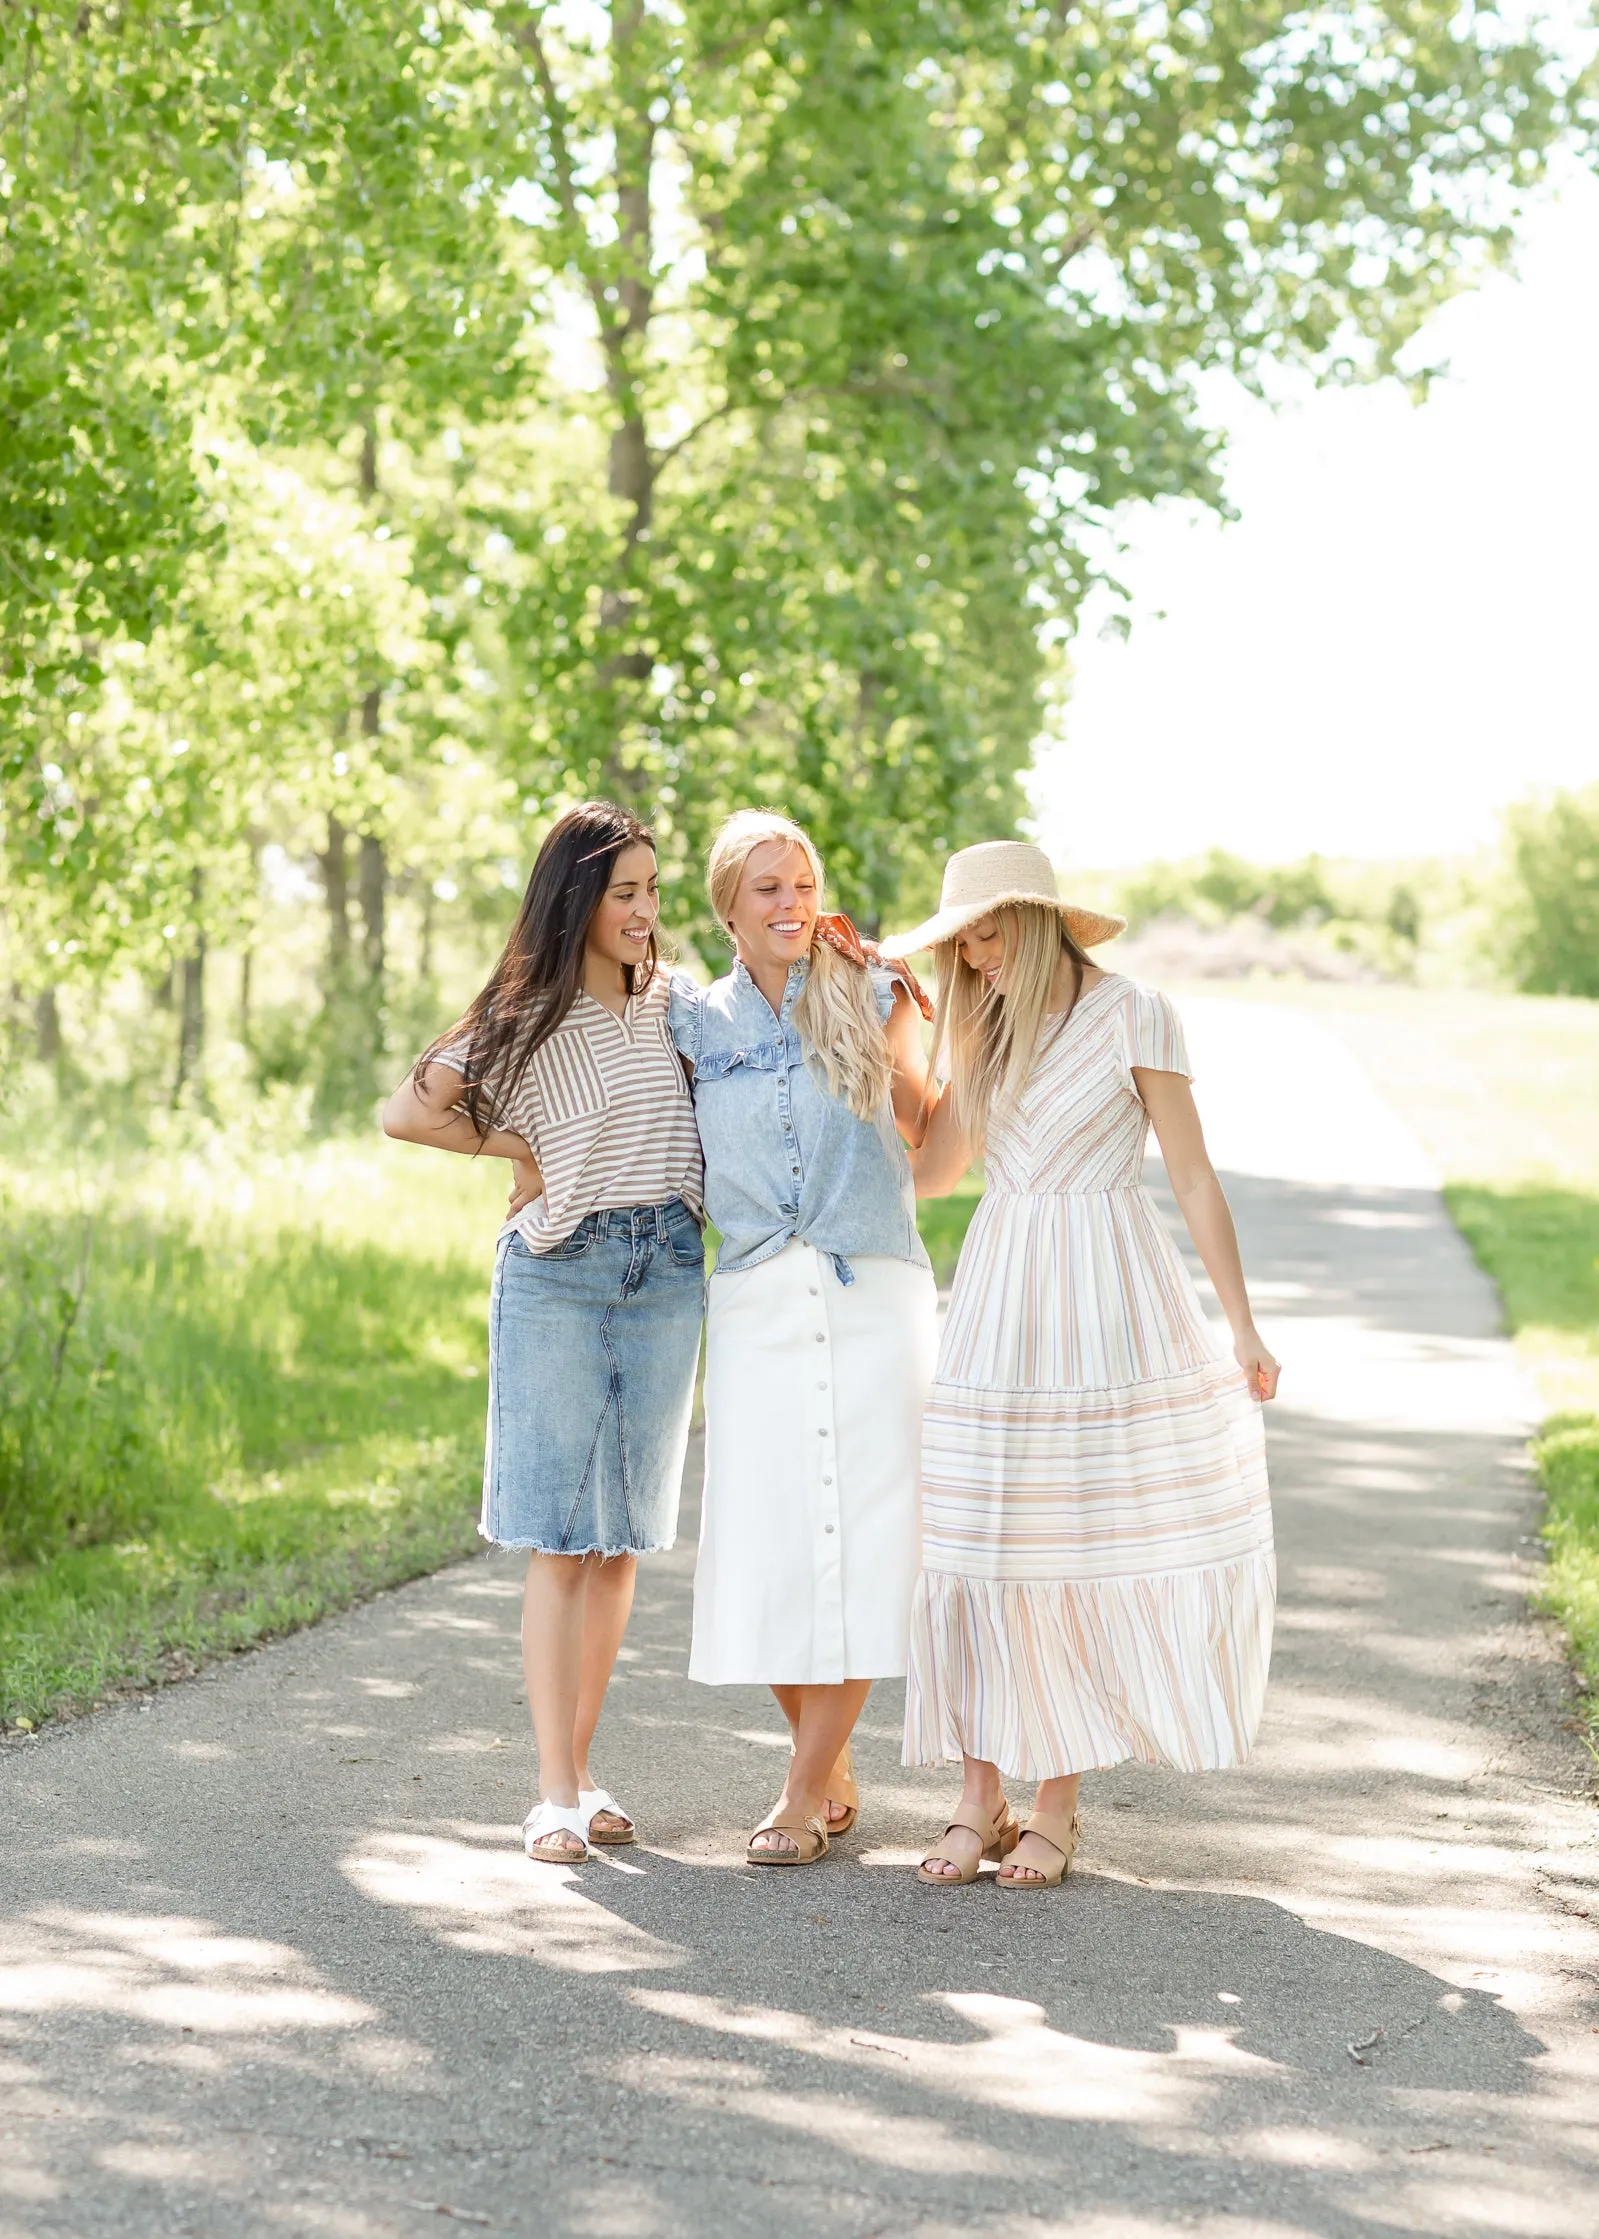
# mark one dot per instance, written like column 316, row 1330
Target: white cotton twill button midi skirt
column 810, row 1535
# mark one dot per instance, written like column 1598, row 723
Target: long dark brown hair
column 540, row 972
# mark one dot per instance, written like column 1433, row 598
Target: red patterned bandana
column 837, row 931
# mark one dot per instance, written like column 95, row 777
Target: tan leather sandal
column 998, row 1837
column 1063, row 1833
column 809, row 1837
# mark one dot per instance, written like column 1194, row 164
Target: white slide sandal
column 545, row 1820
column 591, row 1802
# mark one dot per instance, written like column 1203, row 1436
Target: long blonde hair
column 987, row 1042
column 836, row 1013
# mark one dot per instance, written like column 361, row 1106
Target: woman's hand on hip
column 527, row 1183
column 1258, row 1365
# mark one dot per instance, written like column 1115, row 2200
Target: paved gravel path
column 271, row 1962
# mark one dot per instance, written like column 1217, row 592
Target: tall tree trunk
column 621, row 290
column 625, row 336
column 246, row 979
column 373, row 883
column 336, row 888
column 46, row 1026
column 372, row 877
column 191, row 1012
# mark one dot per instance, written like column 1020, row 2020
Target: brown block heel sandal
column 809, row 1837
column 1057, row 1829
column 998, row 1837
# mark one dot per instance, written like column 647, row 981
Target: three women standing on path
column 1097, row 1577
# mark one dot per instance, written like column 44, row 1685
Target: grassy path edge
column 1539, row 1245
column 100, row 1624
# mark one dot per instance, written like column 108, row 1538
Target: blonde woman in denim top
column 807, row 1067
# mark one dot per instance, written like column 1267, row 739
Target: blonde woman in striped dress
column 1098, row 1580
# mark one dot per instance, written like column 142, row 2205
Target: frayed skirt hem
column 606, row 1554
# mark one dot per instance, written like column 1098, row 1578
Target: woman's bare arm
column 1170, row 1104
column 943, row 1154
column 427, row 1115
column 912, row 1104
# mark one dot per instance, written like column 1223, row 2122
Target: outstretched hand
column 1259, row 1366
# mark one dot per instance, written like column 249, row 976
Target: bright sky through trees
column 1397, row 636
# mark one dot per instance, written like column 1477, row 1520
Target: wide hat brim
column 1088, row 928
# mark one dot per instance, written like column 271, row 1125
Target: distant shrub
column 1220, row 887
column 1554, row 864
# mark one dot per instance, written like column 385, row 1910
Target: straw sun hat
column 984, row 878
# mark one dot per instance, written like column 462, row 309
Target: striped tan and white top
column 605, row 1109
column 1098, row 1576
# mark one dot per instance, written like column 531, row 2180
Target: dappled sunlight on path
column 272, row 1962
column 480, row 1896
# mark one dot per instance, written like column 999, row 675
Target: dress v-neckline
column 1058, row 1021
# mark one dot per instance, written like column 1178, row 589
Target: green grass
column 239, row 1388
column 1541, row 1245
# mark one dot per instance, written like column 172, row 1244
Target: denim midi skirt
column 592, row 1353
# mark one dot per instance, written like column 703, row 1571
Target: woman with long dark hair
column 565, row 1065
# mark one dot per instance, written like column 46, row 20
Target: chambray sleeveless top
column 784, row 1159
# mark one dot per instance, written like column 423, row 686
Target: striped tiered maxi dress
column 1098, row 1579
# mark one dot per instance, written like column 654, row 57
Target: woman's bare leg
column 553, row 1601
column 788, row 1702
column 608, row 1604
column 825, row 1720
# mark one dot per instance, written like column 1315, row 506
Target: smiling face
column 774, row 910
column 619, row 931
column 982, row 948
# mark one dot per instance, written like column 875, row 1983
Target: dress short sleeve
column 1155, row 1033
column 684, row 1016
column 883, row 984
